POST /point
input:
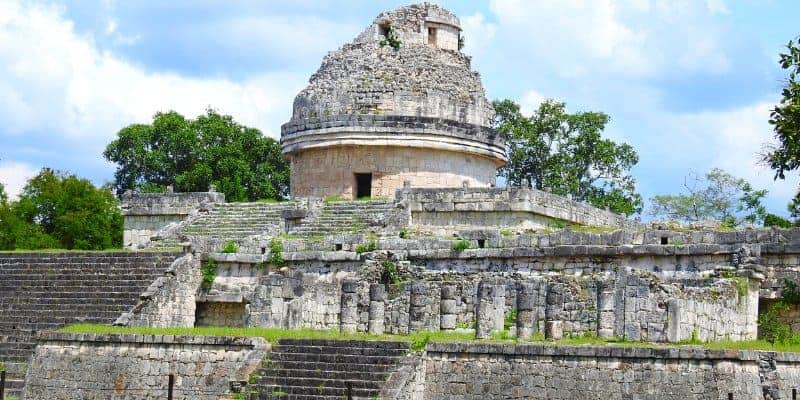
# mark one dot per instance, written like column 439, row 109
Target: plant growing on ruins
column 461, row 245
column 209, row 272
column 419, row 342
column 390, row 275
column 461, row 42
column 230, row 247
column 403, row 233
column 790, row 294
column 390, row 39
column 371, row 245
column 510, row 319
column 276, row 253
column 566, row 154
column 770, row 326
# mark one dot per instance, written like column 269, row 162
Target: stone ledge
column 223, row 341
column 681, row 353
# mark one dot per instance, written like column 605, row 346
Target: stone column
column 674, row 321
column 491, row 309
column 377, row 304
column 554, row 304
column 418, row 307
column 277, row 307
column 348, row 315
column 605, row 309
column 526, row 309
column 447, row 307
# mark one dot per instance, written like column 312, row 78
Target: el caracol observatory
column 399, row 105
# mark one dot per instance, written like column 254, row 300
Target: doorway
column 363, row 185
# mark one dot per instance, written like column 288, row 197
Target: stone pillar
column 277, row 307
column 605, row 309
column 447, row 307
column 348, row 315
column 491, row 308
column 674, row 321
column 554, row 304
column 377, row 304
column 526, row 309
column 417, row 313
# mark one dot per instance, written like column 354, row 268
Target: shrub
column 367, row 247
column 230, row 247
column 403, row 233
column 770, row 326
column 776, row 221
column 461, row 245
column 511, row 319
column 276, row 253
column 390, row 276
column 209, row 271
column 790, row 293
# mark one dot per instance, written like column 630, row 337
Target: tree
column 56, row 210
column 191, row 155
column 717, row 196
column 566, row 154
column 785, row 120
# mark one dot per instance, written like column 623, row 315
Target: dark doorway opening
column 363, row 185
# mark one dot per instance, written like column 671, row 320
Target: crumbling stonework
column 412, row 113
column 94, row 367
column 486, row 371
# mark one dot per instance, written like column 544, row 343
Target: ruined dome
column 421, row 93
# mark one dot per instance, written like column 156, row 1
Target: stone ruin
column 434, row 247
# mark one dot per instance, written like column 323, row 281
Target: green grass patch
column 230, row 247
column 209, row 272
column 334, row 199
column 372, row 245
column 417, row 339
column 276, row 253
column 461, row 245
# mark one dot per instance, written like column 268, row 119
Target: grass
column 418, row 340
column 334, row 199
column 119, row 250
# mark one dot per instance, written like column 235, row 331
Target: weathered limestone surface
column 415, row 113
column 485, row 371
column 94, row 367
column 147, row 214
column 170, row 300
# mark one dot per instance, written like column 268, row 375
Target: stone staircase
column 347, row 216
column 304, row 369
column 235, row 221
column 46, row 291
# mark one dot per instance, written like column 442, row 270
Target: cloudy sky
column 688, row 83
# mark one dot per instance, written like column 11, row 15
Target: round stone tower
column 398, row 104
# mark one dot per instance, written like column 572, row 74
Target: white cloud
column 530, row 102
column 14, row 175
column 478, row 33
column 632, row 38
column 53, row 79
column 717, row 7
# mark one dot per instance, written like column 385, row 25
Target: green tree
column 193, row 154
column 56, row 210
column 716, row 196
column 566, row 154
column 785, row 120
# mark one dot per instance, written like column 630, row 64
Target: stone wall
column 94, row 367
column 147, row 214
column 330, row 171
column 170, row 300
column 506, row 208
column 486, row 371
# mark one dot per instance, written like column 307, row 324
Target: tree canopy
column 716, row 196
column 566, row 154
column 785, row 120
column 57, row 210
column 192, row 154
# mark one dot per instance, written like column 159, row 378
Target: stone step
column 322, row 382
column 332, row 358
column 369, row 375
column 276, row 391
column 359, row 351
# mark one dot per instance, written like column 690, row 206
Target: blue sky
column 688, row 83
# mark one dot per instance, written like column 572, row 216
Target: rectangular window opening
column 664, row 240
column 432, row 36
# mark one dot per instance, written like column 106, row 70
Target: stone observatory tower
column 398, row 104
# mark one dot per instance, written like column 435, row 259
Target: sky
column 688, row 83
